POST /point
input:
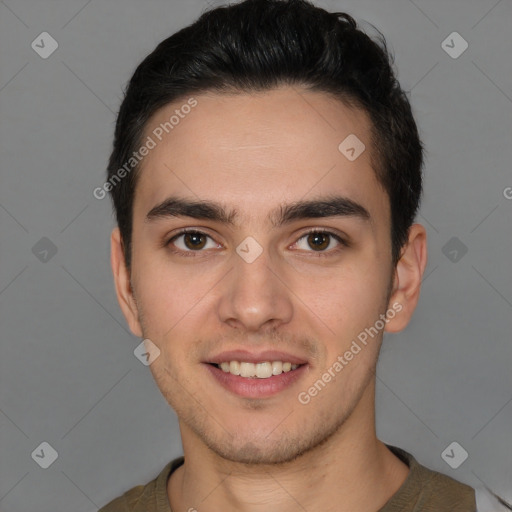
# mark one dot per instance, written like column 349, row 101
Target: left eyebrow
column 332, row 206
column 335, row 206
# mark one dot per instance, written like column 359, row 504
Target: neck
column 351, row 471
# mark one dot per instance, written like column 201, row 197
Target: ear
column 122, row 283
column 407, row 280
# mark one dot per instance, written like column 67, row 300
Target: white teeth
column 262, row 370
column 247, row 370
column 277, row 368
column 234, row 367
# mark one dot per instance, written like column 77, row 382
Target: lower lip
column 254, row 387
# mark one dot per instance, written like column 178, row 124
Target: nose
column 254, row 295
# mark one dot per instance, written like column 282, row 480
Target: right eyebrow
column 201, row 210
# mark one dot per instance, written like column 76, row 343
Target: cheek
column 345, row 299
column 349, row 304
column 168, row 296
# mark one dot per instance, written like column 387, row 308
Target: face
column 287, row 263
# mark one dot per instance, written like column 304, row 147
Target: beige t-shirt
column 423, row 490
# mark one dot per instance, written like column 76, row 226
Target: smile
column 262, row 370
column 256, row 380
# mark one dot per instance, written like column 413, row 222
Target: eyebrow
column 332, row 206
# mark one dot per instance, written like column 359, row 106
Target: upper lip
column 255, row 357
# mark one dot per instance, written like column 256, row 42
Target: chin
column 278, row 449
column 264, row 453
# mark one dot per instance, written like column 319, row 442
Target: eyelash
column 320, row 254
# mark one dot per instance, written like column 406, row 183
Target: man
column 265, row 175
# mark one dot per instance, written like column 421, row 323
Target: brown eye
column 324, row 243
column 318, row 241
column 191, row 241
column 194, row 240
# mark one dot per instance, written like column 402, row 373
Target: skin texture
column 253, row 153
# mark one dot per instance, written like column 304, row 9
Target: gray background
column 68, row 373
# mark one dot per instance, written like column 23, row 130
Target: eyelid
column 342, row 240
column 168, row 241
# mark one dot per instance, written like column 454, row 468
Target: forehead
column 254, row 149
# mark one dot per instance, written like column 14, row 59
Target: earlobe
column 122, row 283
column 407, row 279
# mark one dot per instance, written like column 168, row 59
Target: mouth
column 260, row 379
column 263, row 370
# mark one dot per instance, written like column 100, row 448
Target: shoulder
column 439, row 490
column 150, row 497
column 429, row 490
